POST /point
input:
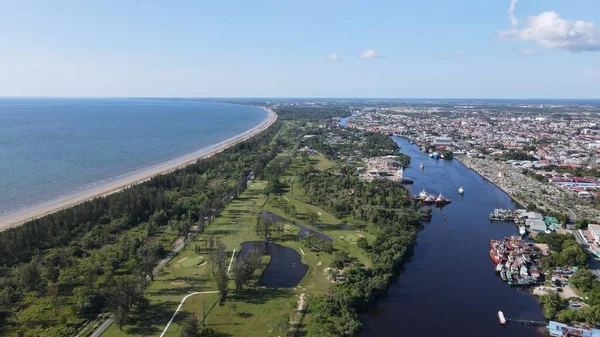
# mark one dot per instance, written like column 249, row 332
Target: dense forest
column 337, row 143
column 391, row 216
column 62, row 269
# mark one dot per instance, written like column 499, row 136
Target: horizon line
column 303, row 97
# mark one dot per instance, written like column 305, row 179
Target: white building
column 536, row 225
column 595, row 230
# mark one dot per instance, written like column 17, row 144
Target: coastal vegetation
column 66, row 268
column 66, row 272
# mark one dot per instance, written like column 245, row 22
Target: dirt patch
column 185, row 258
column 178, row 282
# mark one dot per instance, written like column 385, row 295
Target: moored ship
column 440, row 200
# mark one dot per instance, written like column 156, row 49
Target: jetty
column 556, row 329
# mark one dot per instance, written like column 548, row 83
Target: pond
column 285, row 270
column 304, row 230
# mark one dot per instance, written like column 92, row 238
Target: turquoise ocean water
column 52, row 148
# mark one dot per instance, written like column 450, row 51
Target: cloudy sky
column 279, row 48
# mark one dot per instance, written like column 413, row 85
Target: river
column 449, row 287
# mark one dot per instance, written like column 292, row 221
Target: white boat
column 421, row 166
column 501, row 318
column 522, row 230
column 423, row 195
column 461, row 190
column 523, row 271
column 499, row 267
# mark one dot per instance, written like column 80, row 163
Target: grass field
column 257, row 310
column 319, row 162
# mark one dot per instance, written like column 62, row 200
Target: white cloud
column 551, row 31
column 511, row 13
column 369, row 54
column 461, row 53
column 529, row 52
column 334, row 57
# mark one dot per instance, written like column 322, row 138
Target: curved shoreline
column 133, row 178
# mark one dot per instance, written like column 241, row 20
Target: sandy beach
column 22, row 216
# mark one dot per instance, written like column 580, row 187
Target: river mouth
column 285, row 270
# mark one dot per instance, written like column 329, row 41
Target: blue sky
column 427, row 48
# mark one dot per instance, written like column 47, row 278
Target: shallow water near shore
column 51, row 148
column 449, row 287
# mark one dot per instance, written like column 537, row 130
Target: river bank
column 20, row 217
column 431, row 298
column 521, row 188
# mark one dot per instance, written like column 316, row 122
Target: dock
column 504, row 321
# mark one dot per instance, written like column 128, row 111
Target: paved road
column 102, row 328
column 181, row 305
column 593, row 260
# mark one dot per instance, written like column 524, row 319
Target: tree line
column 99, row 255
column 393, row 218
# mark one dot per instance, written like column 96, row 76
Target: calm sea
column 51, row 148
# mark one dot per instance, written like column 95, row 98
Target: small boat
column 523, row 271
column 461, row 190
column 421, row 166
column 494, row 256
column 522, row 230
column 501, row 318
column 499, row 267
column 523, row 282
column 440, row 200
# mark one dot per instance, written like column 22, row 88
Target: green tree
column 362, row 243
column 582, row 223
column 190, row 327
column 263, row 228
column 30, row 275
column 312, row 217
column 245, row 267
column 583, row 280
column 222, row 281
column 552, row 304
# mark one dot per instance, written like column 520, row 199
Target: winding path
column 181, row 305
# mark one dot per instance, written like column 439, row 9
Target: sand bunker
column 176, row 266
column 185, row 258
column 202, row 264
column 178, row 282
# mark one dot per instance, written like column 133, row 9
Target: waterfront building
column 447, row 141
column 594, row 229
column 536, row 225
column 563, row 330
